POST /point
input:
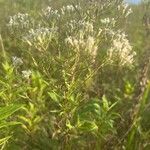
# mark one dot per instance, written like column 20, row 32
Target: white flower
column 91, row 46
column 19, row 21
column 88, row 26
column 40, row 33
column 121, row 50
column 69, row 8
column 69, row 40
column 40, row 37
column 49, row 12
column 17, row 61
column 26, row 74
column 126, row 11
column 107, row 21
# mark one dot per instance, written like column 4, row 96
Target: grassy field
column 74, row 75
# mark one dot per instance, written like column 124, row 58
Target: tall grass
column 71, row 68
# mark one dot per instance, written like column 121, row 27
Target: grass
column 72, row 75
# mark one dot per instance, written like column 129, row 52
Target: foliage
column 5, row 112
column 72, row 67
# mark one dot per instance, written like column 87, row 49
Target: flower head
column 26, row 74
column 17, row 61
column 121, row 50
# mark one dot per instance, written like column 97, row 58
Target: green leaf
column 6, row 124
column 8, row 110
column 105, row 103
column 8, row 68
column 88, row 126
column 26, row 120
column 113, row 105
column 68, row 124
column 92, row 107
column 3, row 140
column 53, row 96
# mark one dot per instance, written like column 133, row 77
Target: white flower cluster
column 108, row 21
column 125, row 9
column 17, row 61
column 81, row 25
column 84, row 39
column 69, row 8
column 82, row 34
column 86, row 26
column 19, row 21
column 49, row 12
column 26, row 74
column 121, row 51
column 40, row 37
column 89, row 44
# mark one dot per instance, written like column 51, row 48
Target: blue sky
column 133, row 1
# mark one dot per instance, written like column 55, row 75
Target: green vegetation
column 74, row 75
